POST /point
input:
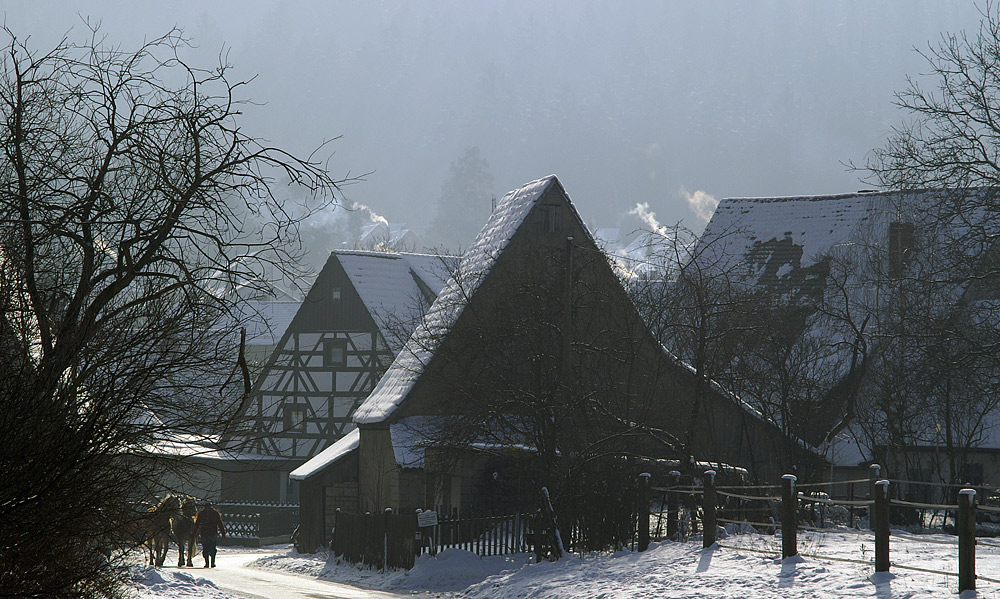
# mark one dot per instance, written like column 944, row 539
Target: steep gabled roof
column 474, row 266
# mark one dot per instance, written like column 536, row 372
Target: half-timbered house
column 345, row 333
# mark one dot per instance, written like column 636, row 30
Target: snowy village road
column 231, row 574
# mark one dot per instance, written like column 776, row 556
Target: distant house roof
column 475, row 264
column 776, row 235
column 814, row 223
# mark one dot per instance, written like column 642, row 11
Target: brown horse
column 156, row 531
column 183, row 510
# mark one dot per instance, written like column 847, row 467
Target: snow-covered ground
column 737, row 568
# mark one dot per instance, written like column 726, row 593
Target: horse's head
column 189, row 506
column 170, row 504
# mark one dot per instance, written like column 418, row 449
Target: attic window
column 551, row 218
column 900, row 248
column 335, row 352
column 335, row 294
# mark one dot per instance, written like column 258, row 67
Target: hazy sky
column 627, row 102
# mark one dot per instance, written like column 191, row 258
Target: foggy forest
column 670, row 104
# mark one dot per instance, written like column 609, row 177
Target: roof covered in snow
column 331, row 455
column 814, row 224
column 775, row 236
column 475, row 264
column 782, row 242
column 388, row 283
column 268, row 320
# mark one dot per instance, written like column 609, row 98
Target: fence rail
column 259, row 524
column 394, row 540
column 814, row 509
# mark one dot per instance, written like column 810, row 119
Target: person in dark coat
column 208, row 525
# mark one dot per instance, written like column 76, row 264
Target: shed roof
column 331, row 455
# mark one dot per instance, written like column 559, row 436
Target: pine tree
column 465, row 203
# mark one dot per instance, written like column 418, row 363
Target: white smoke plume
column 702, row 204
column 648, row 217
column 374, row 216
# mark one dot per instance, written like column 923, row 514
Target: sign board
column 428, row 518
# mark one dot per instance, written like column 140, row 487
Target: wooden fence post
column 418, row 542
column 385, row 537
column 368, row 536
column 672, row 506
column 881, row 526
column 708, row 509
column 789, row 505
column 966, row 540
column 873, row 475
column 643, row 511
column 334, row 545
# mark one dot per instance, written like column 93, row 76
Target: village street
column 232, row 575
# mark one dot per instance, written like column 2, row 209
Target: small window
column 295, row 418
column 551, row 218
column 335, row 294
column 335, row 352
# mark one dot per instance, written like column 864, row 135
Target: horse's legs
column 180, row 553
column 164, row 549
column 191, row 550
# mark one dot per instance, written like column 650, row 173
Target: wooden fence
column 255, row 525
column 484, row 534
column 385, row 540
column 394, row 540
column 790, row 507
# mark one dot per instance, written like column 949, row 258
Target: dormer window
column 551, row 218
column 900, row 248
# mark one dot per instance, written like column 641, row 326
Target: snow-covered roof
column 267, row 320
column 433, row 270
column 800, row 230
column 813, row 223
column 475, row 264
column 385, row 284
column 328, row 456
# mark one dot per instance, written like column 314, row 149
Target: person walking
column 208, row 525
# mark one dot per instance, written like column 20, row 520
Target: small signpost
column 425, row 519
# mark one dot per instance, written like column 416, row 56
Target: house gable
column 342, row 338
column 535, row 298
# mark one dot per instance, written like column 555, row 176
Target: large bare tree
column 135, row 215
column 948, row 331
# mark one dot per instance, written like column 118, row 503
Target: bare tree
column 790, row 345
column 946, row 325
column 127, row 193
